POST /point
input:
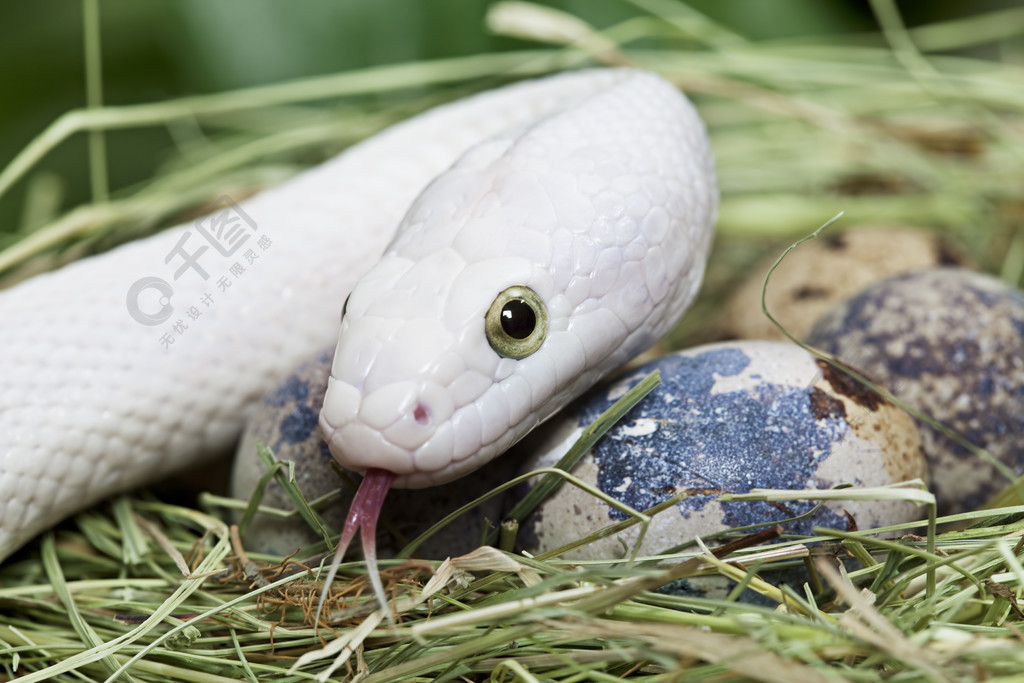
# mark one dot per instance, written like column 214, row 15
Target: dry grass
column 904, row 126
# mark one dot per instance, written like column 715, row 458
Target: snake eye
column 516, row 323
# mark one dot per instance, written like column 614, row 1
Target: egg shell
column 287, row 422
column 821, row 273
column 718, row 587
column 727, row 418
column 949, row 342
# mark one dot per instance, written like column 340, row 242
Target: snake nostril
column 421, row 414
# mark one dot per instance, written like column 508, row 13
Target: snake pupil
column 518, row 319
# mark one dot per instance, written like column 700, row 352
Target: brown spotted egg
column 286, row 422
column 821, row 273
column 728, row 418
column 949, row 342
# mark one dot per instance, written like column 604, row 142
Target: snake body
column 595, row 189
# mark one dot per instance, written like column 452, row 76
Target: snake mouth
column 402, row 427
column 362, row 517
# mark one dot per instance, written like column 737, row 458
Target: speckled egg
column 949, row 342
column 286, row 422
column 727, row 418
column 823, row 272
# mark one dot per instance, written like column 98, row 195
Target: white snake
column 594, row 190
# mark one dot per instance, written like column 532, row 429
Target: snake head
column 424, row 384
column 597, row 220
column 417, row 387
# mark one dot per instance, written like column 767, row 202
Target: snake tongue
column 362, row 516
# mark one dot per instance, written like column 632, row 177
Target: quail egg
column 949, row 342
column 823, row 272
column 727, row 418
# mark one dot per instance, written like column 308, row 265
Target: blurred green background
column 153, row 51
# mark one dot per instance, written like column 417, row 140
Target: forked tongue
column 362, row 516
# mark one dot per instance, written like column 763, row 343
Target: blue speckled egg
column 728, row 418
column 949, row 342
column 286, row 422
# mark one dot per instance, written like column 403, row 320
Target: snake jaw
column 362, row 517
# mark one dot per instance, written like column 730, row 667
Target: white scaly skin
column 92, row 403
column 605, row 210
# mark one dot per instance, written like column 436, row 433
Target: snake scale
column 503, row 252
